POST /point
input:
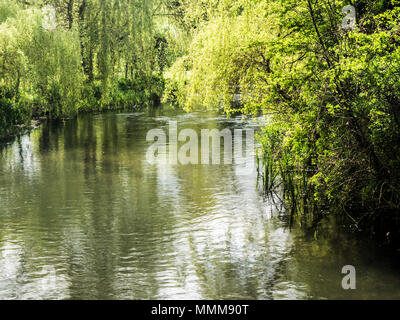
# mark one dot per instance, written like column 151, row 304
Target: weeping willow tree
column 41, row 70
column 101, row 54
column 225, row 55
column 119, row 48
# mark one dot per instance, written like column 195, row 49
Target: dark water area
column 84, row 215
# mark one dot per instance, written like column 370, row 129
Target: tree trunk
column 70, row 14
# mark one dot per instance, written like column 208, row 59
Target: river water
column 84, row 215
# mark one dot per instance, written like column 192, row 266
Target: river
column 84, row 215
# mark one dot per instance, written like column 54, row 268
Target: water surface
column 83, row 215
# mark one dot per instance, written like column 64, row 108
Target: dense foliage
column 102, row 54
column 331, row 95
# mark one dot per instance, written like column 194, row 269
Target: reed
column 278, row 173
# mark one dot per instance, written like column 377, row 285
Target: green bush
column 141, row 91
column 12, row 115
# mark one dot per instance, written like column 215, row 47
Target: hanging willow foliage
column 102, row 53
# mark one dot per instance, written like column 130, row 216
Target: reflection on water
column 83, row 215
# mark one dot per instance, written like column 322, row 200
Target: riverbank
column 18, row 114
